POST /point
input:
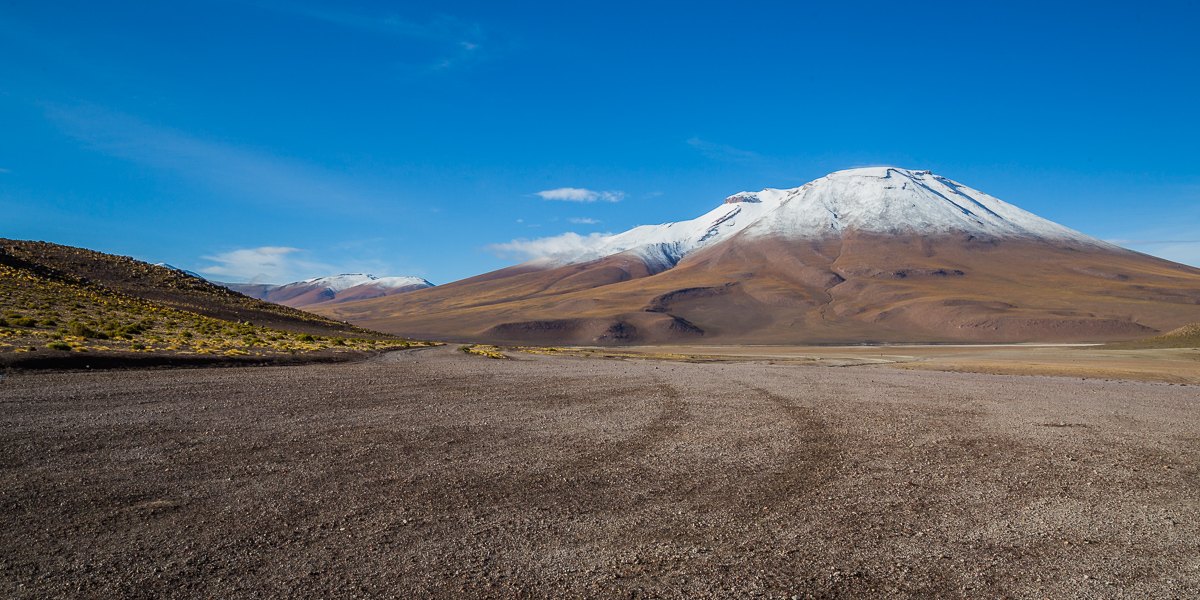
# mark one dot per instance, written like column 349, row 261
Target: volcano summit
column 870, row 255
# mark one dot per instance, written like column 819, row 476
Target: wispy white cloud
column 567, row 244
column 5, row 171
column 721, row 151
column 583, row 220
column 268, row 264
column 568, row 194
column 243, row 172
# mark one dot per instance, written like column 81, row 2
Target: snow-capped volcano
column 867, row 200
column 866, row 255
column 326, row 290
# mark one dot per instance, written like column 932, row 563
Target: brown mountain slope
column 163, row 286
column 858, row 288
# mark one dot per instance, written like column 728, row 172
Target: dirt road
column 431, row 473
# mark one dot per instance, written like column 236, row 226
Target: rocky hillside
column 161, row 285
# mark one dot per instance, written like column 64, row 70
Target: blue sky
column 285, row 140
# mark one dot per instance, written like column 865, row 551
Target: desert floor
column 1168, row 365
column 433, row 473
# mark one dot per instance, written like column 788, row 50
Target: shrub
column 24, row 322
column 482, row 352
column 3, row 323
column 304, row 337
column 78, row 329
column 137, row 346
column 49, row 323
column 132, row 329
column 337, row 341
column 58, row 346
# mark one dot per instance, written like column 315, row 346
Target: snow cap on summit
column 894, row 200
column 867, row 199
column 345, row 281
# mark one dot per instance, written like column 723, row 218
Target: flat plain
column 431, row 473
column 1091, row 361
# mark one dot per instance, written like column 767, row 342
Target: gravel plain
column 429, row 473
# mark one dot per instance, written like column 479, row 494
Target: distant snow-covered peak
column 399, row 282
column 345, row 281
column 337, row 283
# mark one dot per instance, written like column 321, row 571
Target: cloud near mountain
column 567, row 243
column 267, row 263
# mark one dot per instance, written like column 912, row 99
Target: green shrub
column 80, row 330
column 132, row 329
column 58, row 346
column 24, row 322
column 137, row 346
column 49, row 323
column 337, row 341
column 304, row 337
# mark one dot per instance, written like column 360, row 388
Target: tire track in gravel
column 598, row 475
column 398, row 355
column 805, row 469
